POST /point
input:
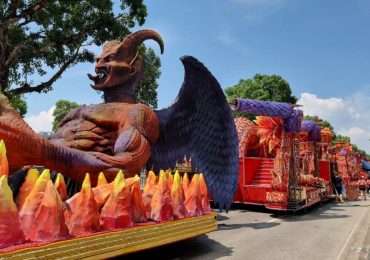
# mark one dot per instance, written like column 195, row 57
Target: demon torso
column 112, row 129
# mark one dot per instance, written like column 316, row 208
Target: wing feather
column 200, row 125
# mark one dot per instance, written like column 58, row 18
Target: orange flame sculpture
column 178, row 198
column 10, row 232
column 60, row 186
column 32, row 203
column 137, row 204
column 4, row 166
column 43, row 217
column 101, row 179
column 148, row 191
column 133, row 181
column 82, row 215
column 161, row 203
column 25, row 189
column 101, row 194
column 185, row 184
column 49, row 224
column 169, row 179
column 102, row 191
column 206, row 208
column 116, row 212
column 193, row 202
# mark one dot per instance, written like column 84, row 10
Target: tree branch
column 12, row 10
column 26, row 88
column 14, row 57
column 28, row 12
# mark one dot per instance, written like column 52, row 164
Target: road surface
column 325, row 231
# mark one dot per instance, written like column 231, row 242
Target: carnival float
column 348, row 164
column 91, row 204
column 283, row 159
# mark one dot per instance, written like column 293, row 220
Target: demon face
column 120, row 63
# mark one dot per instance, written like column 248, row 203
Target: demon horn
column 134, row 40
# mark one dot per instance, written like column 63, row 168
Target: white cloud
column 349, row 116
column 359, row 136
column 41, row 122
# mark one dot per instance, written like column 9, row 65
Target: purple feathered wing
column 200, row 125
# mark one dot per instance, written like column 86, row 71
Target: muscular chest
column 93, row 128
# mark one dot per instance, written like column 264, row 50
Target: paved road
column 326, row 231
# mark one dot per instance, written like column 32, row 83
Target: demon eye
column 109, row 58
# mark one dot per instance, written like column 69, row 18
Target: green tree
column 18, row 103
column 261, row 87
column 341, row 138
column 62, row 108
column 37, row 36
column 146, row 89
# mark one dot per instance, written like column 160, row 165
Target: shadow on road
column 258, row 225
column 200, row 247
column 245, row 208
column 222, row 217
column 320, row 211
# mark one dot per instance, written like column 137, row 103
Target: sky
column 322, row 48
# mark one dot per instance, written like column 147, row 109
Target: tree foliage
column 18, row 103
column 146, row 89
column 62, row 108
column 261, row 87
column 39, row 37
column 341, row 138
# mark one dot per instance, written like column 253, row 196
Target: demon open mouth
column 100, row 77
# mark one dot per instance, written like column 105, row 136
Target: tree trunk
column 4, row 55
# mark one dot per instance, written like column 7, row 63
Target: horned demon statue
column 122, row 134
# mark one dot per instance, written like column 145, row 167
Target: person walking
column 338, row 186
column 362, row 186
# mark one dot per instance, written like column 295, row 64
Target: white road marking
column 350, row 235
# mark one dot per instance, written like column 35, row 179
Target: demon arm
column 200, row 125
column 25, row 147
column 131, row 150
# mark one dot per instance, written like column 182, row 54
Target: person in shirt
column 338, row 185
column 362, row 186
column 368, row 185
